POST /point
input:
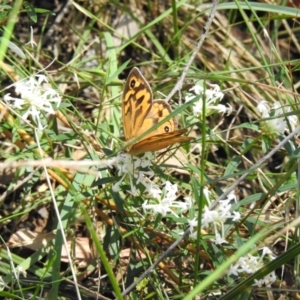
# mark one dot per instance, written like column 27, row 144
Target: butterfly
column 140, row 113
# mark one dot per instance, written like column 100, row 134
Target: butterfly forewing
column 136, row 103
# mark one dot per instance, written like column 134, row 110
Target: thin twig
column 162, row 257
column 18, row 185
column 179, row 84
column 254, row 167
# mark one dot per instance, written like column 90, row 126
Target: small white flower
column 197, row 89
column 217, row 218
column 267, row 280
column 219, row 240
column 212, row 97
column 182, row 206
column 132, row 168
column 236, row 216
column 133, row 191
column 35, row 99
column 116, row 187
column 171, row 189
column 234, row 270
column 250, row 264
column 166, row 202
column 270, row 278
column 111, row 162
column 147, row 159
column 153, row 190
column 267, row 252
column 259, row 282
column 193, row 223
column 276, row 123
column 263, row 108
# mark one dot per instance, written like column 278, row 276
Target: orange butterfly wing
column 160, row 141
column 136, row 103
column 140, row 113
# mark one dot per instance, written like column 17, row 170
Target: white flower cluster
column 212, row 97
column 249, row 264
column 167, row 203
column 216, row 217
column 35, row 99
column 276, row 125
column 137, row 170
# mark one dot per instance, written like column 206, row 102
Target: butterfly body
column 140, row 113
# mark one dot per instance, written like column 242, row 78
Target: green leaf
column 233, row 164
column 30, row 11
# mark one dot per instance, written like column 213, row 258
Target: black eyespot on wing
column 132, row 83
column 166, row 129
